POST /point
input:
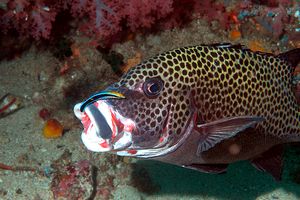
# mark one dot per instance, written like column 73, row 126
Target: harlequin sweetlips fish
column 200, row 107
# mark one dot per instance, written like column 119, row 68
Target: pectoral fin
column 214, row 132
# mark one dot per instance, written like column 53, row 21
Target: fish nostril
column 104, row 130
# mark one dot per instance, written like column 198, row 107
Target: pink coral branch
column 42, row 19
column 108, row 19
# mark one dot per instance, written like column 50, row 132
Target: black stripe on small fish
column 104, row 128
column 98, row 96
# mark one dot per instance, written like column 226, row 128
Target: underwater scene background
column 54, row 54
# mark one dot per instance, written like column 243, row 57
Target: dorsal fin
column 292, row 57
column 227, row 45
column 239, row 47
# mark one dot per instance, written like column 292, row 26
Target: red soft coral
column 105, row 18
column 93, row 10
column 143, row 14
column 182, row 13
column 213, row 11
column 42, row 18
column 133, row 15
column 28, row 18
column 15, row 16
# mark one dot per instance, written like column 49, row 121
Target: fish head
column 150, row 113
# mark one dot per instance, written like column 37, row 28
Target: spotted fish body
column 203, row 107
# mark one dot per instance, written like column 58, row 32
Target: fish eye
column 152, row 87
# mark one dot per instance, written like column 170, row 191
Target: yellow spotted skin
column 216, row 81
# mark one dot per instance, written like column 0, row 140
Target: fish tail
column 292, row 57
column 296, row 91
column 294, row 135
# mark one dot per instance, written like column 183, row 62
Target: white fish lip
column 77, row 111
column 120, row 139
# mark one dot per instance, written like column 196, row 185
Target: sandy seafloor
column 33, row 76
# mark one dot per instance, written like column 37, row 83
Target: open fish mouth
column 105, row 129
